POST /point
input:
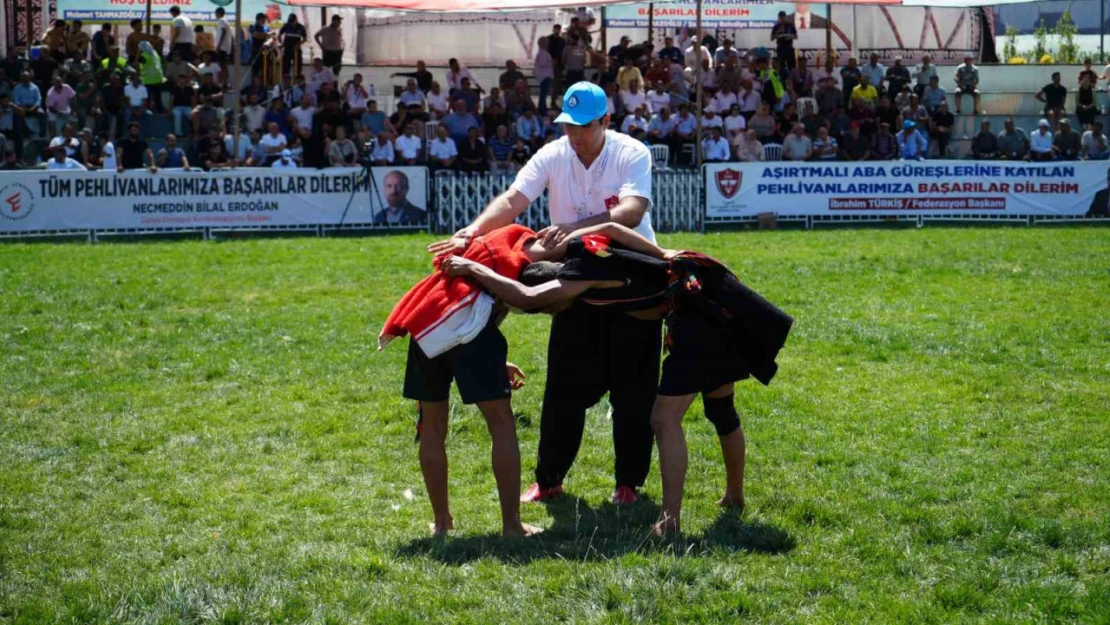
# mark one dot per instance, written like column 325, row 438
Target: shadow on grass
column 582, row 533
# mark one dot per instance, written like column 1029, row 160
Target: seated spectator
column 633, row 98
column 915, row 110
column 500, row 151
column 984, row 145
column 510, row 76
column 940, row 128
column 530, row 128
column 636, row 120
column 442, row 151
column 627, row 73
column 90, row 149
column 138, row 103
column 289, row 92
column 828, row 97
column 734, row 123
column 1040, row 142
column 724, row 101
column 902, row 100
column 277, row 114
column 408, row 146
column 967, row 83
column 62, row 162
column 254, row 114
column 912, row 146
column 811, row 121
column 519, row 100
column 764, row 124
column 342, row 152
column 132, row 151
column 437, row 102
column 1065, row 143
column 867, row 92
column 710, row 119
column 473, row 154
column 933, row 95
column 459, row 121
column 747, row 147
column 258, row 156
column 853, row 145
column 825, row 148
column 327, row 94
column 216, row 158
column 885, row 112
column 331, row 115
column 520, row 154
column 27, row 101
column 273, row 142
column 355, row 98
column 661, row 126
column 296, row 150
column 495, row 96
column 209, row 110
column 10, row 162
column 304, row 114
column 797, row 146
column 1053, row 95
column 317, row 76
column 685, row 131
column 285, row 161
column 58, row 109
column 210, row 65
column 1086, row 103
column 1013, row 144
column 468, row 95
column 236, row 155
column 106, row 157
column 172, row 156
column 67, row 141
column 423, row 77
column 865, row 116
column 491, row 119
column 376, row 120
column 412, row 96
column 897, row 78
column 714, row 147
column 183, row 99
column 656, row 73
column 177, row 67
column 1094, row 145
column 884, row 146
column 383, row 153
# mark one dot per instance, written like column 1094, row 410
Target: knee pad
column 722, row 414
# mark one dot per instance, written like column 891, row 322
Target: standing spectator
column 933, row 95
column 456, row 74
column 356, row 98
column 748, row 148
column 1013, row 144
column 500, row 152
column 205, row 42
column 853, row 145
column 967, row 82
column 102, row 41
column 874, row 72
column 725, row 53
column 1053, row 95
column 1086, row 108
column 225, row 38
column 1094, row 145
column 382, row 154
column 797, row 146
column 159, row 43
column 574, row 60
column 670, row 51
column 555, row 46
column 783, row 33
column 423, row 77
column 177, row 67
column 442, row 151
column 58, row 110
column 867, row 92
column 925, row 74
column 55, row 40
column 510, row 76
column 828, row 71
column 408, row 146
column 150, row 72
column 884, row 146
column 1040, row 142
column 260, row 38
column 1088, row 73
column 617, row 53
column 911, row 145
column 1065, row 143
column 342, row 152
column 182, row 35
column 138, row 103
column 544, row 69
column 292, row 37
column 172, row 156
column 133, row 149
column 828, row 96
column 715, row 148
column 850, row 76
column 942, row 123
column 113, row 103
column 330, row 40
column 473, row 154
column 897, row 77
column 77, row 40
column 984, row 145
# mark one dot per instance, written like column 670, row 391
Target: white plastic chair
column 660, row 155
column 772, row 152
column 430, row 131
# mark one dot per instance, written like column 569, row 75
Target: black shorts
column 477, row 367
column 223, row 57
column 703, row 354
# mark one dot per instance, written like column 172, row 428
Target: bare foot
column 732, row 501
column 666, row 525
column 440, row 529
column 522, row 530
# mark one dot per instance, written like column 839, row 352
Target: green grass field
column 203, row 432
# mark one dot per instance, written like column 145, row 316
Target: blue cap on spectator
column 583, row 103
column 286, row 153
column 909, row 123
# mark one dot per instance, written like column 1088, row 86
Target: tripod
column 365, row 176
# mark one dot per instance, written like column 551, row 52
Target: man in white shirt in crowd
column 254, row 114
column 138, row 102
column 734, row 122
column 442, row 151
column 69, row 142
column 63, row 162
column 661, row 126
column 408, row 146
column 710, row 119
column 874, row 72
column 455, row 74
column 245, row 146
column 724, row 100
column 639, row 119
column 285, row 162
column 304, row 113
column 658, row 98
column 592, row 176
column 411, row 95
column 691, row 55
column 797, row 146
column 715, row 148
column 1040, row 142
column 383, row 153
column 224, row 40
column 182, row 35
column 634, row 98
column 356, row 96
column 273, row 142
column 750, row 94
column 437, row 101
column 318, row 75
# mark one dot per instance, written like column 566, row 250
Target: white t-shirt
column 184, row 28
column 209, row 68
column 633, row 101
column 71, row 145
column 136, row 95
column 110, row 156
column 279, row 165
column 303, row 116
column 408, row 147
column 270, row 141
column 69, row 164
column 715, row 122
column 356, row 98
column 437, row 102
column 440, row 149
column 255, row 115
column 632, row 120
column 1040, row 142
column 623, row 169
column 724, row 101
column 221, row 27
column 657, row 100
column 735, row 122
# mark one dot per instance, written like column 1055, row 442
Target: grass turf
column 195, row 432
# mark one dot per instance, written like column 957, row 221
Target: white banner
column 907, row 188
column 63, row 200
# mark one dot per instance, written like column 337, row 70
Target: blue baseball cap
column 909, row 123
column 583, row 103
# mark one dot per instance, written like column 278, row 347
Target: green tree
column 1040, row 41
column 1066, row 30
column 1009, row 49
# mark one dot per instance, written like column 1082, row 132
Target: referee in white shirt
column 592, row 175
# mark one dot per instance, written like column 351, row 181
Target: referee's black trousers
column 592, row 351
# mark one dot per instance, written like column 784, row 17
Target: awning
column 471, row 6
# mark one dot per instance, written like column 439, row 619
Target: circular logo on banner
column 16, row 201
column 573, row 101
column 221, row 3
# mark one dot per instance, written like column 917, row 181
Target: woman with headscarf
column 150, row 70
